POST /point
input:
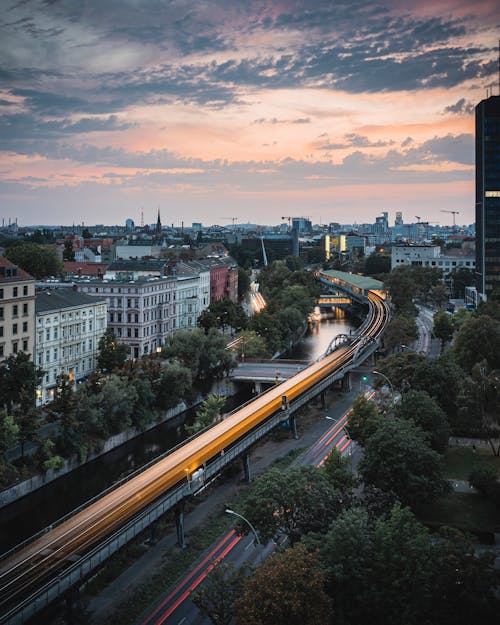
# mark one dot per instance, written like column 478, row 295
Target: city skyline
column 218, row 111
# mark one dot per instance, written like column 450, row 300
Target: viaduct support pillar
column 293, row 426
column 179, row 524
column 258, row 388
column 246, row 468
column 323, row 400
column 346, row 382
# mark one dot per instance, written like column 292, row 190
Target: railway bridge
column 50, row 564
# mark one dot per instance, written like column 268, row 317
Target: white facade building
column 193, row 292
column 429, row 256
column 68, row 326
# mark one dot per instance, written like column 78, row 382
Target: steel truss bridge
column 50, row 564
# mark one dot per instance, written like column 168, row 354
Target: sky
column 237, row 111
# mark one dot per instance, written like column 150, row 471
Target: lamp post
column 240, row 516
column 390, row 385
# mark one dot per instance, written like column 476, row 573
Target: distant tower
column 158, row 225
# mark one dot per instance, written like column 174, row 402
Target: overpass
column 46, row 567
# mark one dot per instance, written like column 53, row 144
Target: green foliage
column 423, row 411
column 205, row 355
column 443, row 327
column 485, row 480
column 243, row 283
column 364, row 420
column 222, row 314
column 112, row 354
column 478, row 339
column 9, row 433
column 173, row 385
column 338, row 471
column 460, row 278
column 400, row 331
column 288, row 589
column 291, row 502
column 299, row 297
column 252, row 345
column 438, row 295
column 377, row 264
column 398, row 458
column 407, row 282
column 216, row 598
column 37, row 260
column 46, row 457
column 19, row 378
column 209, row 413
column 68, row 252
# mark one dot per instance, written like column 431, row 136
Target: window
column 1, row 313
column 25, row 326
column 25, row 345
column 55, row 333
column 47, row 356
column 1, row 330
column 1, row 293
column 25, row 310
column 14, row 292
column 1, row 351
column 15, row 310
column 55, row 354
column 25, row 290
column 14, row 347
column 47, row 334
column 14, row 328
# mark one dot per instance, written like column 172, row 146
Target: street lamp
column 229, row 511
column 390, row 384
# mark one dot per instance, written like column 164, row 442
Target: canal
column 25, row 517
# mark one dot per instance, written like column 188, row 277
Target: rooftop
column 58, row 299
column 362, row 282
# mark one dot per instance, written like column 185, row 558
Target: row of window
column 15, row 291
column 15, row 347
column 15, row 311
column 15, row 328
column 68, row 351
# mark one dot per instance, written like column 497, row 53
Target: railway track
column 24, row 571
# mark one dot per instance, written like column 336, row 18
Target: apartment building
column 141, row 312
column 68, row 327
column 17, row 310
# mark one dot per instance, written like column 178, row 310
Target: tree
column 221, row 314
column 397, row 458
column 291, row 502
column 438, row 295
column 338, row 471
column 377, row 264
column 443, row 327
column 19, row 378
column 299, row 297
column 402, row 289
column 9, row 432
column 460, row 278
column 172, row 386
column 28, row 422
column 288, row 589
column 400, row 331
column 209, row 413
column 423, row 411
column 243, row 283
column 363, row 420
column 68, row 252
column 478, row 339
column 480, row 404
column 112, row 354
column 251, row 345
column 218, row 594
column 37, row 260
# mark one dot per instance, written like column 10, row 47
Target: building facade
column 429, row 256
column 68, row 327
column 141, row 313
column 488, row 195
column 17, row 310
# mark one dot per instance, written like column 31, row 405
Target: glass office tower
column 488, row 195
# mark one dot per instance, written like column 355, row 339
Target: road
column 425, row 343
column 175, row 605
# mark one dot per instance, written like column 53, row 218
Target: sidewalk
column 311, row 425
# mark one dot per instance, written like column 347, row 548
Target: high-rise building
column 488, row 195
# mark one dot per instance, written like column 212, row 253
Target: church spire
column 158, row 223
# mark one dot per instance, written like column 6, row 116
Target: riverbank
column 25, row 487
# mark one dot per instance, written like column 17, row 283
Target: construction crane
column 453, row 213
column 417, row 218
column 233, row 219
column 289, row 220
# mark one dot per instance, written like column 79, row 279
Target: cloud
column 274, row 120
column 462, row 107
